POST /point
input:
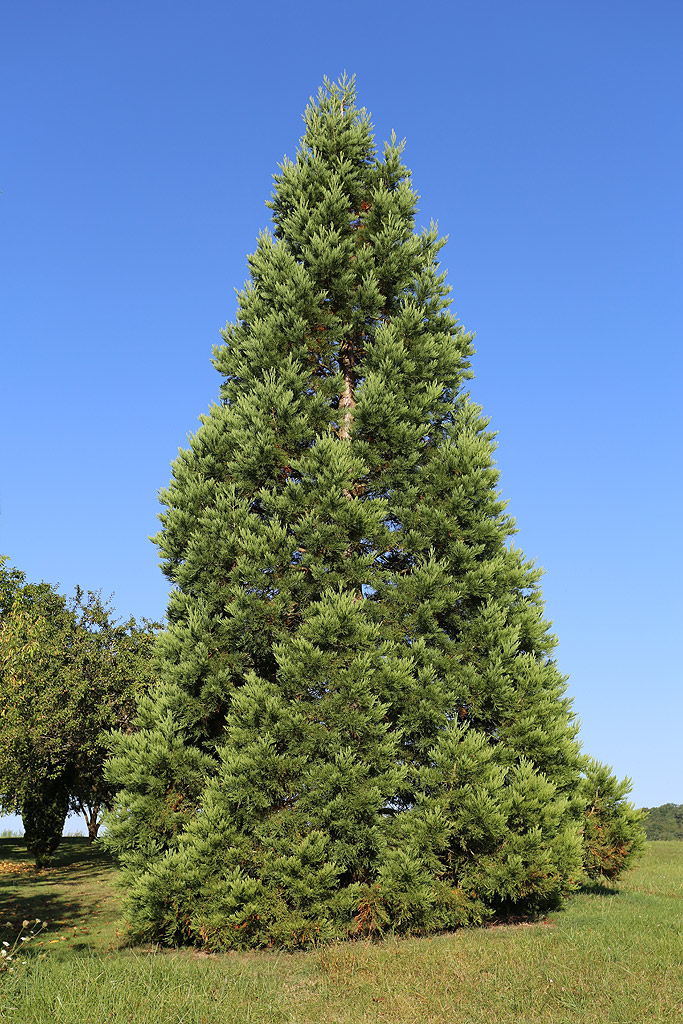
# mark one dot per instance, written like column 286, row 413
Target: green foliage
column 69, row 673
column 665, row 822
column 360, row 726
column 613, row 833
column 43, row 810
column 158, row 775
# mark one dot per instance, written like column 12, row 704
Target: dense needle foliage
column 360, row 724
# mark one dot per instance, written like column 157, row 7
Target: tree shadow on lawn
column 74, row 895
column 597, row 888
column 70, row 850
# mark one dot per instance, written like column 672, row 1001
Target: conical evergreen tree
column 360, row 724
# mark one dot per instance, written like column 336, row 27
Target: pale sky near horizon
column 140, row 140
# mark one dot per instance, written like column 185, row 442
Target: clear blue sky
column 139, row 141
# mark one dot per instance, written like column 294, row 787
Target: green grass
column 75, row 896
column 615, row 956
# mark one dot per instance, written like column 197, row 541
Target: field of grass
column 615, row 956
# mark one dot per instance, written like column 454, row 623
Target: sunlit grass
column 614, row 956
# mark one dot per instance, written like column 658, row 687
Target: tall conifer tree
column 360, row 725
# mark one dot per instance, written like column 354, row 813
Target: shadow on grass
column 597, row 888
column 74, row 893
column 70, row 850
column 52, row 907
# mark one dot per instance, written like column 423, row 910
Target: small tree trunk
column 91, row 813
column 93, row 828
column 346, row 402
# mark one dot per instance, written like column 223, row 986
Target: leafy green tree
column 68, row 673
column 11, row 581
column 360, row 724
column 113, row 660
column 35, row 777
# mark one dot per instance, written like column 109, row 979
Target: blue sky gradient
column 546, row 139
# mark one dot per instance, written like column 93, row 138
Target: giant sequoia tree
column 360, row 724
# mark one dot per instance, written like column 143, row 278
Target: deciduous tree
column 69, row 672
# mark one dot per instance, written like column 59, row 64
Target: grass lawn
column 615, row 956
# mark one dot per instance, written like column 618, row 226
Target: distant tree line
column 665, row 822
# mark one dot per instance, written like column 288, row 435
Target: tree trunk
column 346, row 402
column 91, row 813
